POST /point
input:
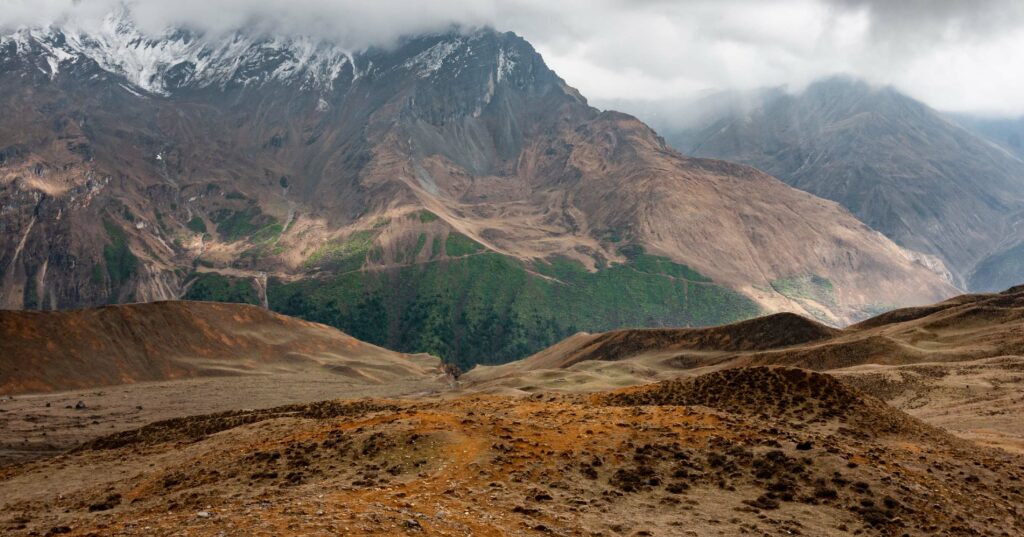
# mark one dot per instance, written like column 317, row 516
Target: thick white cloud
column 953, row 54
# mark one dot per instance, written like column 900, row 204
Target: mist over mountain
column 898, row 165
column 1008, row 132
column 951, row 55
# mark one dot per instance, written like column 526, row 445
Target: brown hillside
column 618, row 464
column 969, row 327
column 763, row 333
column 47, row 351
column 775, row 393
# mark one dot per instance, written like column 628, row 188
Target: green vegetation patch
column 427, row 217
column 641, row 261
column 268, row 233
column 121, row 262
column 435, row 248
column 458, row 245
column 247, row 223
column 490, row 308
column 343, row 255
column 96, row 274
column 809, row 287
column 211, row 286
column 421, row 241
column 197, row 225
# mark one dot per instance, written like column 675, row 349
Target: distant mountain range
column 904, row 169
column 1006, row 132
column 449, row 195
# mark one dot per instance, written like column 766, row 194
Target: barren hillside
column 766, row 451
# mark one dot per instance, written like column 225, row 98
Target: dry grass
column 544, row 465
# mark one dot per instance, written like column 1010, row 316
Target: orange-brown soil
column 761, row 451
column 51, row 351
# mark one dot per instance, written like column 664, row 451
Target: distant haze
column 954, row 55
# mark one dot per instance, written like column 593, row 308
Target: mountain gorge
column 904, row 169
column 450, row 194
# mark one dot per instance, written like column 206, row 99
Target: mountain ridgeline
column 450, row 194
column 904, row 169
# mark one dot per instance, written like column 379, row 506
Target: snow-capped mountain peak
column 179, row 59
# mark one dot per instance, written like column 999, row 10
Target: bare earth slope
column 55, row 351
column 761, row 451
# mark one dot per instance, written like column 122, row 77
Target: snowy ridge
column 179, row 59
column 184, row 59
column 431, row 60
column 506, row 63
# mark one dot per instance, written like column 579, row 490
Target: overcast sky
column 956, row 55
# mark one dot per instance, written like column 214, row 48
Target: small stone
column 203, row 514
column 80, row 405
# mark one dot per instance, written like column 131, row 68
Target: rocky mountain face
column 449, row 190
column 899, row 166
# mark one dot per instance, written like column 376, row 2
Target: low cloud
column 954, row 55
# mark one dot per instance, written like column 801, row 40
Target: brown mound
column 873, row 349
column 899, row 316
column 763, row 333
column 195, row 428
column 969, row 327
column 773, row 393
column 543, row 465
column 1011, row 298
column 49, row 351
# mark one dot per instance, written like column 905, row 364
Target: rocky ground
column 758, row 451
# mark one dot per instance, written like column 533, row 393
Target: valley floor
column 42, row 425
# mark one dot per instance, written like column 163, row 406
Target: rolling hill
column 962, row 329
column 161, row 341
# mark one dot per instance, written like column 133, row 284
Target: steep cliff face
column 320, row 181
